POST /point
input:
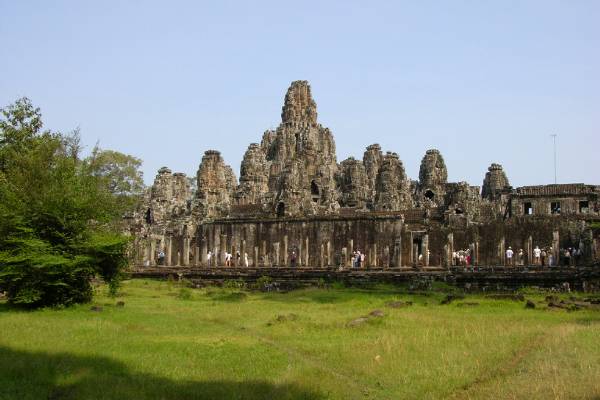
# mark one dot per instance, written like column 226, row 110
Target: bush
column 184, row 293
column 55, row 212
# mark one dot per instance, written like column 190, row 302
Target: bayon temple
column 293, row 197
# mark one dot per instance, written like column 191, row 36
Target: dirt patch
column 399, row 304
column 506, row 296
column 467, row 304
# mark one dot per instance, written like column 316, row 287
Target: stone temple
column 294, row 196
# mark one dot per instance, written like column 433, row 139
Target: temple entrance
column 281, row 209
column 429, row 194
column 417, row 250
column 314, row 191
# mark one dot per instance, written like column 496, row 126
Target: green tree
column 56, row 215
column 121, row 171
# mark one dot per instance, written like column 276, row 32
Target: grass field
column 212, row 343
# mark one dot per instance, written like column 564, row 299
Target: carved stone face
column 433, row 171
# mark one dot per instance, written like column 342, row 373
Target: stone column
column 306, row 252
column 529, row 247
column 386, row 257
column 300, row 259
column 204, row 253
column 167, row 251
column 398, row 252
column 276, row 254
column 476, row 253
column 447, row 255
column 285, row 262
column 450, row 247
column 329, row 253
column 502, row 251
column 555, row 246
column 425, row 249
column 321, row 256
column 344, row 256
column 350, row 251
column 186, row 251
column 223, row 249
column 216, row 248
column 152, row 251
column 196, row 255
column 415, row 254
column 255, row 256
column 375, row 255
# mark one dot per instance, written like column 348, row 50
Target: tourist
column 543, row 257
column 537, row 253
column 521, row 257
column 238, row 259
column 509, row 256
column 359, row 259
column 228, row 259
column 246, row 259
column 454, row 258
column 550, row 257
column 567, row 257
column 161, row 257
column 208, row 258
column 293, row 259
column 578, row 254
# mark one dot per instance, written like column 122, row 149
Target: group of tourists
column 544, row 257
column 358, row 259
column 462, row 258
column 230, row 261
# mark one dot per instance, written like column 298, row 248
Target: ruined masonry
column 293, row 197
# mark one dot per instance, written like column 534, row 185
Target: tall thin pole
column 554, row 143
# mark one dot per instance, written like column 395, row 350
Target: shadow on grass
column 28, row 375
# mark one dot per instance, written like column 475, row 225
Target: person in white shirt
column 208, row 258
column 509, row 256
column 536, row 255
column 246, row 259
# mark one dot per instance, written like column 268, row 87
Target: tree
column 21, row 122
column 121, row 171
column 56, row 215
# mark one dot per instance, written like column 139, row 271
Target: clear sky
column 483, row 81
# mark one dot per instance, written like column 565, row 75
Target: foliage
column 262, row 282
column 119, row 172
column 234, row 283
column 55, row 215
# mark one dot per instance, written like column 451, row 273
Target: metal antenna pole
column 554, row 143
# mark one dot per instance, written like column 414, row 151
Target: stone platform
column 488, row 277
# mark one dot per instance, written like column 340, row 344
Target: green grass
column 214, row 343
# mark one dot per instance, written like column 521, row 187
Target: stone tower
column 392, row 185
column 433, row 177
column 300, row 156
column 216, row 185
column 494, row 183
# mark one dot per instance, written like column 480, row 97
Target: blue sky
column 483, row 81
